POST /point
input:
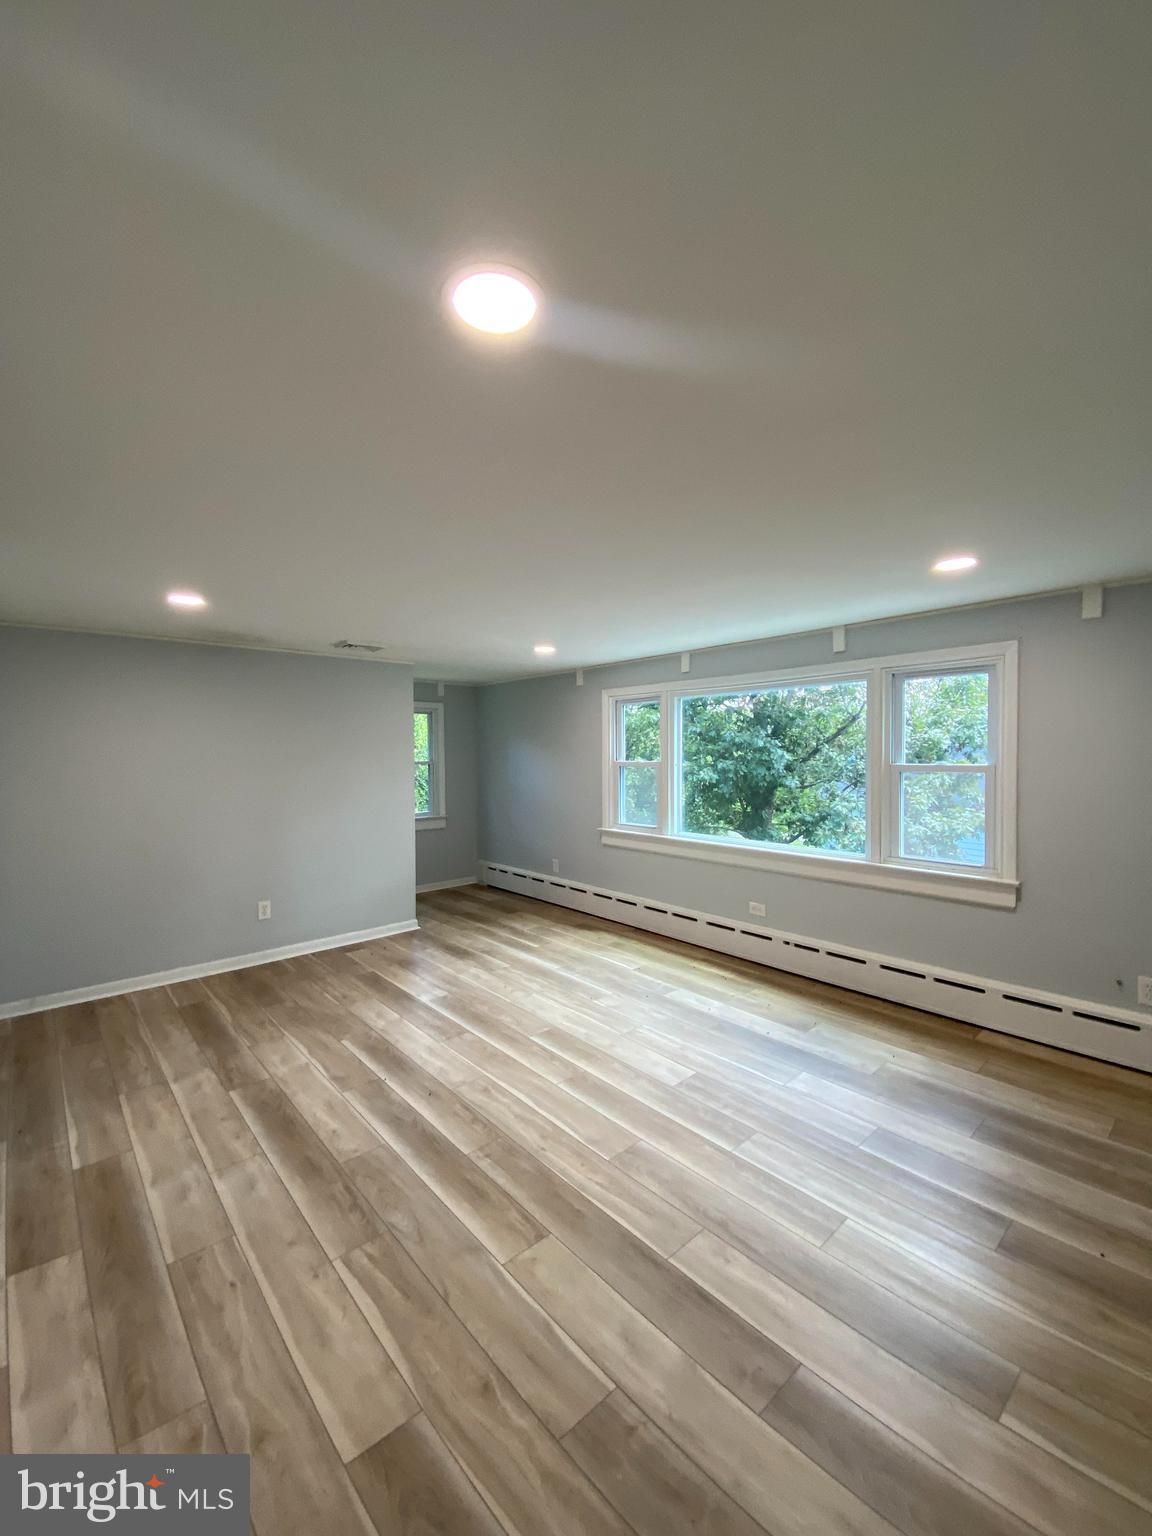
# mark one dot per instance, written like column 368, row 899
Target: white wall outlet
column 756, row 909
column 263, row 910
column 555, row 866
column 1144, row 991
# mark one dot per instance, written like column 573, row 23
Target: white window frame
column 895, row 768
column 436, row 815
column 994, row 885
column 619, row 762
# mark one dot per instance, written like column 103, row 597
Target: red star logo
column 155, row 1482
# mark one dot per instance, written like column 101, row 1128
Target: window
column 942, row 767
column 785, row 767
column 428, row 745
column 638, row 756
column 898, row 772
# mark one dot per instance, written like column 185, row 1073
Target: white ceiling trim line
column 827, row 629
column 240, row 644
column 228, row 645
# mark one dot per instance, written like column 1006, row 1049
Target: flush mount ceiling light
column 951, row 563
column 186, row 600
column 545, row 649
column 497, row 300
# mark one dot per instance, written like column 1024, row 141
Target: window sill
column 430, row 823
column 947, row 885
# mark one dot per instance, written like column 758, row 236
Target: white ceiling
column 833, row 289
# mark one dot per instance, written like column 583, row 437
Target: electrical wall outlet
column 263, row 910
column 555, row 866
column 756, row 909
column 1144, row 991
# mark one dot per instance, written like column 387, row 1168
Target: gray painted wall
column 451, row 852
column 152, row 793
column 1083, row 925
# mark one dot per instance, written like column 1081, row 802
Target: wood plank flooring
column 527, row 1223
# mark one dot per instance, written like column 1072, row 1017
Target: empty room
column 575, row 768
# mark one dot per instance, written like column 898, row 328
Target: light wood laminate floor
column 530, row 1223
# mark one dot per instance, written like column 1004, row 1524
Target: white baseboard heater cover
column 1110, row 1034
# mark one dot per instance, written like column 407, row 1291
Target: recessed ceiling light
column 544, row 650
column 955, row 563
column 493, row 299
column 186, row 600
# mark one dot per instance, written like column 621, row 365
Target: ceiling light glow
column 544, row 650
column 955, row 563
column 494, row 299
column 186, row 600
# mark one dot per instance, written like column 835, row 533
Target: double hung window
column 428, row 744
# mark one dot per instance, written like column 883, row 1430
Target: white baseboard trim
column 25, row 1005
column 1118, row 1035
column 446, row 885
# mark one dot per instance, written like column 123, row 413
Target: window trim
column 995, row 884
column 437, row 815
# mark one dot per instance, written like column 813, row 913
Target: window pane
column 420, row 734
column 423, row 795
column 641, row 732
column 946, row 718
column 638, row 792
column 783, row 765
column 942, row 817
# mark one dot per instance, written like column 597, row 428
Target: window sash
column 896, row 818
column 619, row 762
column 433, row 761
column 884, row 677
column 896, row 698
column 895, row 769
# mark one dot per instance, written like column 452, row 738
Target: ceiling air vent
column 357, row 646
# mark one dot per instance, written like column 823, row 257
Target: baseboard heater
column 1089, row 1029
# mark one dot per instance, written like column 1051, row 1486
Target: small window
column 637, row 764
column 943, row 766
column 428, row 744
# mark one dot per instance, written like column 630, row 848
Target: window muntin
column 428, row 775
column 922, row 781
column 637, row 761
column 783, row 766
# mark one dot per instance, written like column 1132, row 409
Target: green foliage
column 942, row 817
column 788, row 766
column 641, row 746
column 639, row 794
column 946, row 718
column 642, row 732
column 423, row 797
column 420, row 735
column 783, row 766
